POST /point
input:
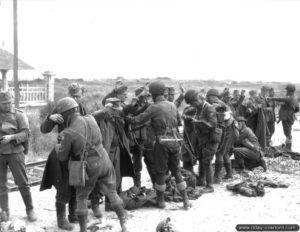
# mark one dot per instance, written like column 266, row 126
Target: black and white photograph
column 149, row 115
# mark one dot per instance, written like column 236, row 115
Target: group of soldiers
column 95, row 150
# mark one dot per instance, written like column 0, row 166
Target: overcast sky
column 186, row 39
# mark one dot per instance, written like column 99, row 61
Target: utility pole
column 16, row 81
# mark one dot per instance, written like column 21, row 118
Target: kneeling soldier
column 247, row 148
column 82, row 140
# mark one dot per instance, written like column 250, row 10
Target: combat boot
column 217, row 174
column 186, row 201
column 263, row 164
column 72, row 217
column 209, row 186
column 29, row 207
column 160, row 199
column 201, row 178
column 120, row 211
column 228, row 168
column 137, row 179
column 4, row 207
column 97, row 211
column 82, row 222
column 62, row 222
column 288, row 146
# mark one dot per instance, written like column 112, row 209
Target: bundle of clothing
column 135, row 198
column 277, row 151
column 172, row 194
column 249, row 188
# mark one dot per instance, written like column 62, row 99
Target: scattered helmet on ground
column 65, row 104
column 157, row 88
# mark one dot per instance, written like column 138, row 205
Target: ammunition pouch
column 216, row 135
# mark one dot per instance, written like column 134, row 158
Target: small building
column 30, row 95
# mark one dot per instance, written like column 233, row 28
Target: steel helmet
column 65, row 104
column 290, row 88
column 157, row 88
column 213, row 92
column 190, row 96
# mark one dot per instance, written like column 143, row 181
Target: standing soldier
column 271, row 123
column 287, row 112
column 228, row 135
column 163, row 117
column 14, row 132
column 112, row 125
column 56, row 173
column 267, row 111
column 137, row 133
column 82, row 140
column 208, row 136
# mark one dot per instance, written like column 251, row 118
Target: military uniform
column 171, row 95
column 163, row 116
column 83, row 137
column 287, row 113
column 206, row 129
column 227, row 131
column 188, row 149
column 13, row 123
column 247, row 149
column 137, row 136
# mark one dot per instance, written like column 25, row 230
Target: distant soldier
column 287, row 112
column 207, row 134
column 272, row 115
column 236, row 103
column 164, row 121
column 82, row 140
column 171, row 95
column 267, row 110
column 247, row 151
column 14, row 132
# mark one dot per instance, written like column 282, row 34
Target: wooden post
column 49, row 86
column 16, row 81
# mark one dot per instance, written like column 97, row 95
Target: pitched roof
column 7, row 61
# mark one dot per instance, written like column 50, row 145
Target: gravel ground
column 219, row 211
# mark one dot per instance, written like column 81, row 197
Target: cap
column 241, row 119
column 121, row 90
column 171, row 90
column 75, row 89
column 5, row 97
column 252, row 92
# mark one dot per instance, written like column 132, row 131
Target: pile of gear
column 138, row 197
column 276, row 151
column 251, row 188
